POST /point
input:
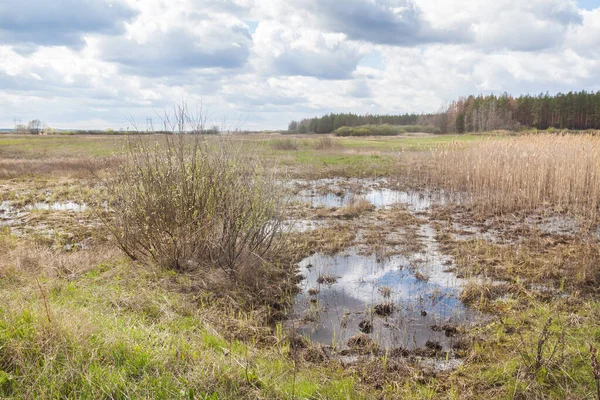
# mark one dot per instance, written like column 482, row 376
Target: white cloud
column 91, row 65
column 280, row 50
column 60, row 22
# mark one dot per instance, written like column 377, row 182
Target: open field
column 23, row 155
column 425, row 266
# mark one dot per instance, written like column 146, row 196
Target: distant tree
column 293, row 126
column 460, row 123
column 215, row 130
column 35, row 127
column 20, row 129
column 331, row 122
column 573, row 110
column 312, row 127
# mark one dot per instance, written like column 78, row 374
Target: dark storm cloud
column 60, row 22
column 391, row 22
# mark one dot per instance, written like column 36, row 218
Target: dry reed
column 523, row 173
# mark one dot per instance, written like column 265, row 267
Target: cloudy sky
column 98, row 63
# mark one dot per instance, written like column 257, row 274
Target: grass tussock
column 326, row 143
column 524, row 173
column 355, row 207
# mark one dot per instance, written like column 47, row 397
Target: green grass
column 116, row 332
column 69, row 146
column 502, row 364
column 36, row 146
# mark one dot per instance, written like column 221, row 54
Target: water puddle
column 337, row 193
column 302, row 225
column 66, row 206
column 9, row 214
column 408, row 302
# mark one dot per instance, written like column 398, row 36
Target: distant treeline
column 331, row 122
column 573, row 110
column 383, row 130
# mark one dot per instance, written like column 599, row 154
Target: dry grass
column 326, row 143
column 524, row 173
column 355, row 207
column 75, row 167
column 553, row 262
column 285, row 144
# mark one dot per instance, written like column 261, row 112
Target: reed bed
column 523, row 173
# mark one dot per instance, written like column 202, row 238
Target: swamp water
column 10, row 215
column 400, row 302
column 378, row 192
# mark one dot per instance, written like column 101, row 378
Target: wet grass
column 85, row 322
column 103, row 327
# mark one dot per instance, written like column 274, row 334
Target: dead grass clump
column 385, row 291
column 421, row 276
column 355, row 207
column 314, row 355
column 326, row 143
column 523, row 173
column 327, row 279
column 481, row 293
column 329, row 240
column 384, row 309
column 362, row 343
column 25, row 259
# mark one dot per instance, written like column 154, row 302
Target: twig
column 595, row 368
column 44, row 299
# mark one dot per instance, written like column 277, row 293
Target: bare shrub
column 185, row 202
